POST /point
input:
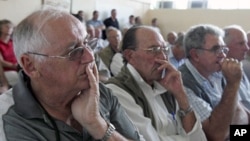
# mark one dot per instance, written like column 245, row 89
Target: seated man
column 177, row 53
column 58, row 96
column 215, row 101
column 236, row 40
column 246, row 61
column 104, row 56
column 151, row 90
column 7, row 56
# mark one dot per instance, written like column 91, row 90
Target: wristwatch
column 109, row 132
column 182, row 113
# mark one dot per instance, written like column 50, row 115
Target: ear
column 127, row 53
column 194, row 55
column 29, row 66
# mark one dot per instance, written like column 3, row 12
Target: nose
column 162, row 55
column 88, row 56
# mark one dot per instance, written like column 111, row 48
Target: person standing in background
column 111, row 21
column 97, row 24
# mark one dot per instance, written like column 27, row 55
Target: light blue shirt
column 244, row 91
column 211, row 86
column 173, row 60
column 95, row 23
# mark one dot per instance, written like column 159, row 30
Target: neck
column 5, row 39
column 203, row 72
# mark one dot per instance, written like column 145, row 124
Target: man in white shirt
column 151, row 91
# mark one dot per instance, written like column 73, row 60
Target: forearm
column 222, row 115
column 7, row 64
column 188, row 121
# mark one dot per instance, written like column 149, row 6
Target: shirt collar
column 198, row 77
column 158, row 88
column 25, row 103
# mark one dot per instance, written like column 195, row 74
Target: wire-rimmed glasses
column 217, row 49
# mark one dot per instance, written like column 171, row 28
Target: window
column 209, row 4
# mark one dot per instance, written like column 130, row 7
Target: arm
column 85, row 109
column 7, row 64
column 135, row 113
column 173, row 82
column 144, row 124
column 225, row 112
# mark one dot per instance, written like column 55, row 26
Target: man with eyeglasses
column 58, row 96
column 236, row 40
column 202, row 73
column 151, row 90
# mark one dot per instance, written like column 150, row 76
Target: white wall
column 177, row 20
column 181, row 20
column 124, row 8
column 16, row 10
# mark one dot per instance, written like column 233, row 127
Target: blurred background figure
column 104, row 57
column 111, row 21
column 131, row 22
column 4, row 85
column 97, row 24
column 171, row 37
column 96, row 44
column 7, row 56
column 177, row 53
column 138, row 21
column 79, row 15
column 154, row 24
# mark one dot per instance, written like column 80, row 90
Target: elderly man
column 58, row 96
column 214, row 100
column 171, row 38
column 236, row 40
column 177, row 53
column 151, row 90
column 246, row 61
column 104, row 57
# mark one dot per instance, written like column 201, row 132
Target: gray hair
column 227, row 29
column 195, row 37
column 29, row 34
column 111, row 28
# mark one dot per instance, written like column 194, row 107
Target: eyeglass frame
column 67, row 56
column 159, row 49
column 216, row 50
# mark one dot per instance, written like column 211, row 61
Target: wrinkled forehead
column 64, row 28
column 152, row 37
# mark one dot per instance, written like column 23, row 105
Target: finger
column 164, row 64
column 91, row 76
column 95, row 71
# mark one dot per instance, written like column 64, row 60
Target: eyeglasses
column 216, row 49
column 74, row 54
column 157, row 50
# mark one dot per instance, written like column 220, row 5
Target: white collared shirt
column 166, row 125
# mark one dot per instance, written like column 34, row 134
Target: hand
column 85, row 108
column 172, row 80
column 232, row 70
